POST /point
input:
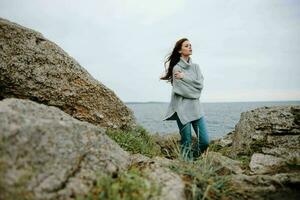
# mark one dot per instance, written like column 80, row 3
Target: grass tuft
column 127, row 185
column 202, row 179
column 136, row 140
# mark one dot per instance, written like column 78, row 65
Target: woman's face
column 186, row 48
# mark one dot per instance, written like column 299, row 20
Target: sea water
column 221, row 118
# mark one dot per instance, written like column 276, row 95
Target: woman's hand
column 179, row 74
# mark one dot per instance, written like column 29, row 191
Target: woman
column 187, row 84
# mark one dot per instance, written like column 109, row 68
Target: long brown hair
column 173, row 58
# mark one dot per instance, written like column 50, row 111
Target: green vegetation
column 136, row 140
column 128, row 185
column 225, row 151
column 215, row 147
column 169, row 146
column 203, row 179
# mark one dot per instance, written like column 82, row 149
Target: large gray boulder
column 47, row 154
column 267, row 139
column 271, row 136
column 32, row 67
column 270, row 127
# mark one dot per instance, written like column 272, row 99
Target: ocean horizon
column 221, row 117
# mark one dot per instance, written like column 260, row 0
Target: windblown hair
column 172, row 59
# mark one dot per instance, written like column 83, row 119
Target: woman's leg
column 200, row 129
column 186, row 139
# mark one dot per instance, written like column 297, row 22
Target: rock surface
column 32, row 67
column 265, row 163
column 266, row 129
column 272, row 187
column 270, row 138
column 271, row 135
column 47, row 154
column 225, row 165
column 171, row 184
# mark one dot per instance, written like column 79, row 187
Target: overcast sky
column 247, row 50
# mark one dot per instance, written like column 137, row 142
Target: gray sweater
column 185, row 96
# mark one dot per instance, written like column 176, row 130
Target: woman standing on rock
column 187, row 84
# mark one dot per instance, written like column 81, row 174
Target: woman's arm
column 198, row 82
column 188, row 88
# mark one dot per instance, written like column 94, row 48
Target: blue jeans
column 202, row 142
